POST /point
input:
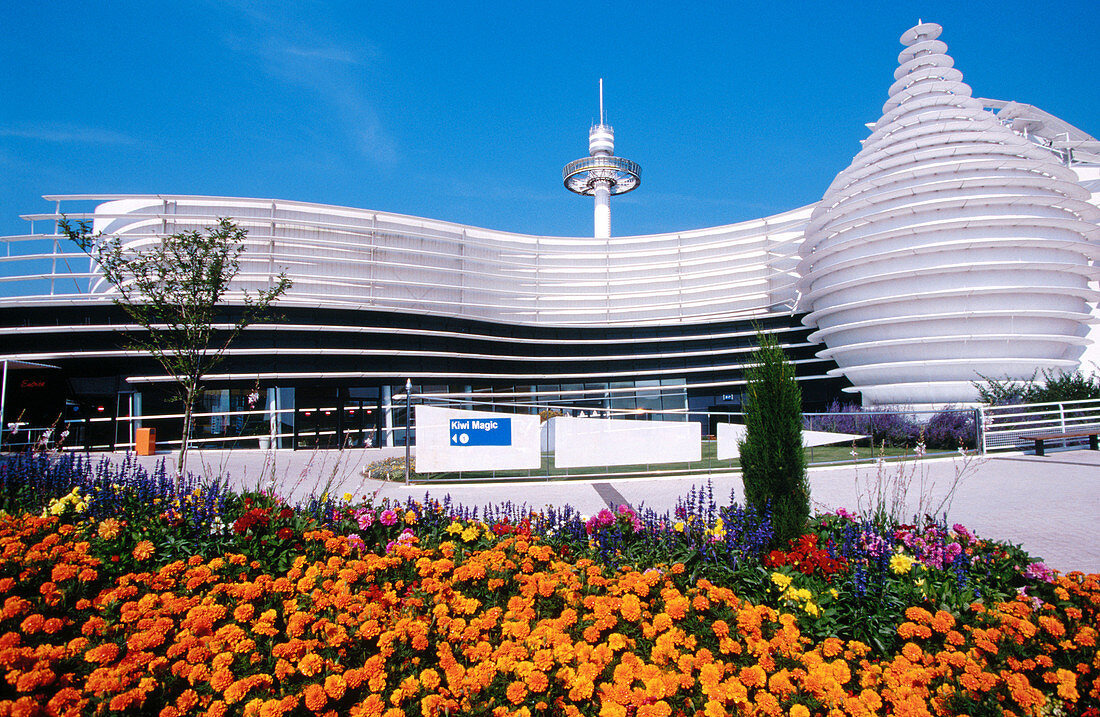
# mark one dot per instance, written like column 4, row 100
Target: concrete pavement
column 1049, row 505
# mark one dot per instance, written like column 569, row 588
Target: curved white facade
column 343, row 257
column 951, row 248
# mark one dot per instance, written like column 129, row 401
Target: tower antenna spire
column 601, row 101
column 601, row 174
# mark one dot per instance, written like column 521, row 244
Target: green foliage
column 1054, row 386
column 173, row 289
column 773, row 464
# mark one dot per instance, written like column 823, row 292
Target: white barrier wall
column 730, row 434
column 582, row 442
column 449, row 440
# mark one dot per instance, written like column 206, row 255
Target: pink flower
column 365, row 518
column 388, row 517
column 1039, row 571
column 355, row 541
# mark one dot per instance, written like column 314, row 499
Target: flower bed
column 259, row 608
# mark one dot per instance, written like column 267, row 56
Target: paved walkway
column 1049, row 505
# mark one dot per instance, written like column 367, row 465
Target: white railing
column 1008, row 427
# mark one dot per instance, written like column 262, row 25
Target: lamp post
column 408, row 414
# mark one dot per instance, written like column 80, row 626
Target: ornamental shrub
column 1054, row 386
column 773, row 465
column 950, row 429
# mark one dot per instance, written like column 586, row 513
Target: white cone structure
column 950, row 248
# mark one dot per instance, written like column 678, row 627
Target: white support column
column 272, row 417
column 602, row 193
column 387, row 416
column 3, row 401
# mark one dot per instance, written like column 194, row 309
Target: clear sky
column 467, row 111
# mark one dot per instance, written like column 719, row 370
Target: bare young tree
column 173, row 289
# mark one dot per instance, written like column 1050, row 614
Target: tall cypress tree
column 773, row 465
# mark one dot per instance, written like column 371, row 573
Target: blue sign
column 481, row 431
column 727, row 397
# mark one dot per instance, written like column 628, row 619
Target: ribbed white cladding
column 951, row 247
column 352, row 258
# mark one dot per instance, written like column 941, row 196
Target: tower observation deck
column 602, row 173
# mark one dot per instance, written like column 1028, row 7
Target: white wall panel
column 581, row 442
column 448, row 440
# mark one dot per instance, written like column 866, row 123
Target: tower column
column 602, row 193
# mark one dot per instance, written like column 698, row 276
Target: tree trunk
column 185, row 440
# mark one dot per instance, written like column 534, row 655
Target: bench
column 1072, row 432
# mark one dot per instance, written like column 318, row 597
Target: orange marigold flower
column 800, row 711
column 32, row 623
column 311, row 664
column 1067, row 685
column 752, row 676
column 109, row 529
column 244, row 612
column 714, row 708
column 918, row 615
column 220, row 680
column 430, row 679
column 103, row 654
column 943, row 621
column 537, row 681
column 516, row 692
column 143, row 550
column 187, row 700
column 912, row 652
column 372, row 706
column 315, row 698
column 335, row 686
column 1052, row 625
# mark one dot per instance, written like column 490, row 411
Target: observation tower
column 602, row 173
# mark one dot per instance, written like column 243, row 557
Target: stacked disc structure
column 951, row 249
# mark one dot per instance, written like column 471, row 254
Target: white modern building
column 958, row 244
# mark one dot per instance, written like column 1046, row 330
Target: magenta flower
column 365, row 518
column 1039, row 571
column 388, row 517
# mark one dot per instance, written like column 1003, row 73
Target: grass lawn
column 817, row 455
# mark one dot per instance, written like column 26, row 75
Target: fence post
column 1062, row 420
column 979, row 429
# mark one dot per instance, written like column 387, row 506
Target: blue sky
column 467, row 111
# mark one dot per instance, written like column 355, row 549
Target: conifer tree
column 773, row 464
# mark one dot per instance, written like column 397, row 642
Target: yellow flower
column 901, row 563
column 679, row 527
column 108, row 529
column 454, row 528
column 348, row 497
column 781, row 580
column 469, row 533
column 143, row 550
